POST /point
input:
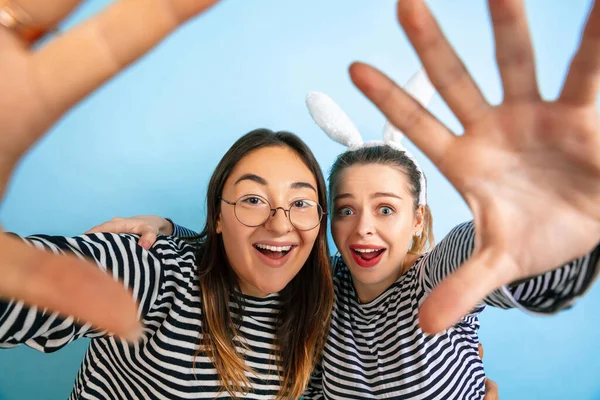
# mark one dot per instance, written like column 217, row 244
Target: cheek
column 309, row 238
column 230, row 229
column 400, row 235
column 235, row 237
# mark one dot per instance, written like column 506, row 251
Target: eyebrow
column 262, row 181
column 253, row 178
column 373, row 196
column 385, row 194
column 303, row 185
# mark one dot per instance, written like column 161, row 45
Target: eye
column 304, row 203
column 345, row 212
column 386, row 210
column 252, row 201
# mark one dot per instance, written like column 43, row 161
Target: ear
column 419, row 220
column 219, row 228
column 333, row 120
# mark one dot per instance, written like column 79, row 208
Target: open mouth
column 367, row 257
column 368, row 254
column 273, row 252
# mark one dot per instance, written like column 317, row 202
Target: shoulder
column 169, row 247
column 111, row 249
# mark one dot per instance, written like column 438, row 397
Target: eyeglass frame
column 273, row 211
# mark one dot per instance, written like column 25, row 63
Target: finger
column 583, row 79
column 405, row 113
column 67, row 285
column 42, row 13
column 73, row 65
column 96, row 229
column 147, row 239
column 114, row 225
column 514, row 51
column 458, row 294
column 445, row 70
column 480, row 350
column 491, row 390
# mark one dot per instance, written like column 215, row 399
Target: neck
column 251, row 291
column 369, row 292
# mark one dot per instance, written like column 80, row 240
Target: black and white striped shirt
column 377, row 350
column 164, row 281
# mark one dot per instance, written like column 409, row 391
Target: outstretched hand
column 39, row 86
column 529, row 169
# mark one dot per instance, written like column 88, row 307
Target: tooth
column 366, row 250
column 273, row 248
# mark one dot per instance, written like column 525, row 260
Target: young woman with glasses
column 241, row 312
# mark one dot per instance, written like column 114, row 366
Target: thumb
column 115, row 225
column 96, row 229
column 147, row 239
column 458, row 294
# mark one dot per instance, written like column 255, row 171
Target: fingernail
column 145, row 244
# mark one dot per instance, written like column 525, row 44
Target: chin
column 366, row 275
column 267, row 288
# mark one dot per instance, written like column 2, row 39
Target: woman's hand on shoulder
column 147, row 226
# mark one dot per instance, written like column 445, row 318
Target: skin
column 285, row 180
column 44, row 83
column 375, row 213
column 527, row 168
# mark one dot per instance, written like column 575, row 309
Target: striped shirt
column 164, row 282
column 376, row 350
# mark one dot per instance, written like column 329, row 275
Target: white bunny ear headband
column 338, row 126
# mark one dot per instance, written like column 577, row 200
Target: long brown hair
column 306, row 301
column 386, row 155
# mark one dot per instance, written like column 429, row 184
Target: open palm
column 528, row 169
column 38, row 86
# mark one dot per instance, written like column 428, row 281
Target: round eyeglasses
column 253, row 210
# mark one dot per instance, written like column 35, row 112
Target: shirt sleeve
column 181, row 231
column 544, row 294
column 117, row 255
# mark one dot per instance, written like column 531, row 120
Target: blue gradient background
column 146, row 143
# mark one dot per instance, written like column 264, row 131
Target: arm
column 39, row 96
column 546, row 293
column 116, row 255
column 527, row 168
column 147, row 226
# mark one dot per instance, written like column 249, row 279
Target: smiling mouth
column 368, row 254
column 273, row 252
column 367, row 258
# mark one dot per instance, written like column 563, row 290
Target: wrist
column 167, row 227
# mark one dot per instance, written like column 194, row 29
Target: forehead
column 371, row 178
column 278, row 165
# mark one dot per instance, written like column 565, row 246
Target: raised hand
column 529, row 169
column 38, row 86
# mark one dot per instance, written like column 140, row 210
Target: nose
column 365, row 226
column 278, row 222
